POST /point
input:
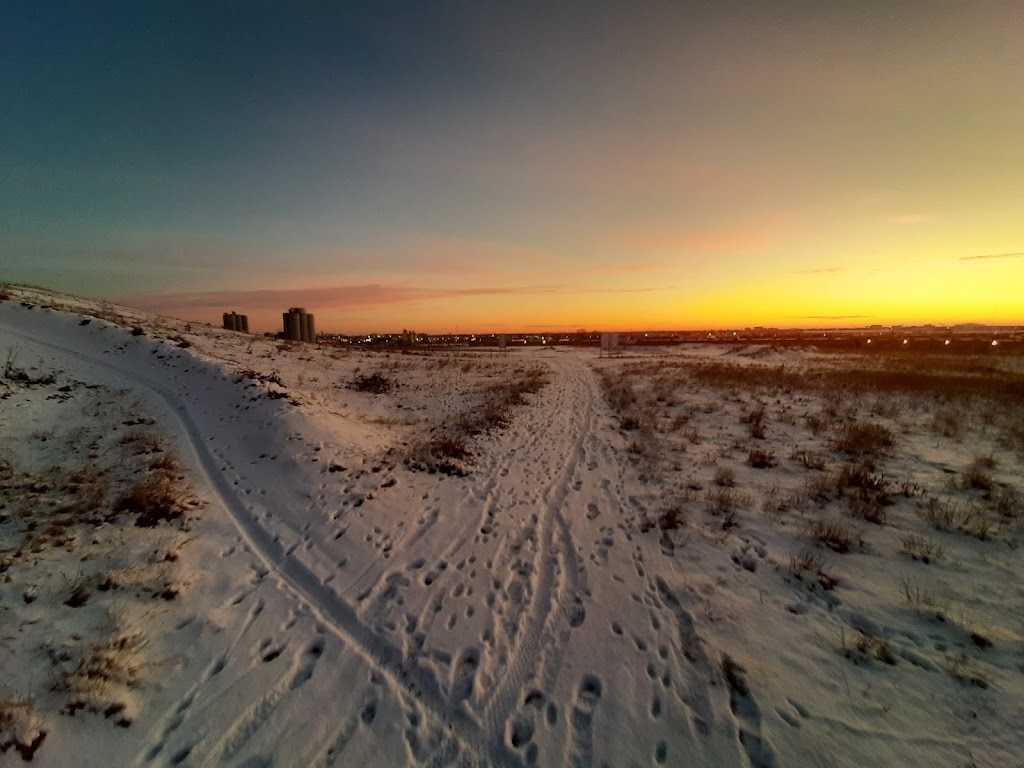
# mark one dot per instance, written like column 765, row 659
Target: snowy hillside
column 689, row 556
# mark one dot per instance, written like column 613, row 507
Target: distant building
column 236, row 322
column 298, row 325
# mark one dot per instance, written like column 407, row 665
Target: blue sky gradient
column 507, row 164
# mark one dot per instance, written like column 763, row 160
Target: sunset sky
column 519, row 165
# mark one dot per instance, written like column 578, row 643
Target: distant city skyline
column 507, row 167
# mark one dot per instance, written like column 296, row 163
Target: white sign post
column 609, row 344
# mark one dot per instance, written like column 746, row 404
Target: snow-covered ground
column 607, row 579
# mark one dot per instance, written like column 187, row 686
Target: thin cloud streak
column 993, row 256
column 345, row 296
column 830, row 317
column 823, row 271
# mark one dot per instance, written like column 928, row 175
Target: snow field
column 338, row 607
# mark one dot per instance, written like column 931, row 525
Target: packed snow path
column 506, row 618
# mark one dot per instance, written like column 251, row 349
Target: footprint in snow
column 464, row 674
column 306, row 663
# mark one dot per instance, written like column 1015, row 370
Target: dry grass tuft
column 921, row 548
column 755, row 421
column 978, row 475
column 942, row 514
column 817, row 424
column 1006, row 503
column 81, row 591
column 20, row 727
column 867, row 647
column 374, row 383
column 808, row 460
column 919, row 598
column 102, row 676
column 965, row 669
column 834, row 534
column 158, row 498
column 143, row 441
column 672, row 518
column 447, row 454
column 948, row 423
column 818, row 488
column 725, row 477
column 867, row 508
column 725, row 503
column 810, row 562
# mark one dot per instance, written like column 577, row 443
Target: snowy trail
column 528, row 614
column 325, row 603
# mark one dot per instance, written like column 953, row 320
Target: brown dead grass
column 859, row 438
column 157, row 498
column 949, row 377
column 834, row 534
column 20, row 727
column 102, row 675
column 809, row 562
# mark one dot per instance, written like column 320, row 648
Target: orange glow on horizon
column 943, row 293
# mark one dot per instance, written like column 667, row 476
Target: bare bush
column 760, row 458
column 859, row 438
column 448, row 454
column 374, row 383
column 670, row 518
